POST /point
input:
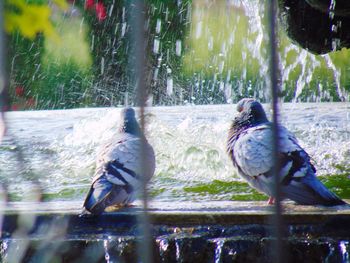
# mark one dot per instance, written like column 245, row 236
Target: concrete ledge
column 165, row 214
column 186, row 232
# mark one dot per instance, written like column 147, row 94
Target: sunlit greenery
column 219, row 42
column 73, row 55
column 49, row 54
column 228, row 47
column 72, row 46
column 31, row 17
column 66, row 68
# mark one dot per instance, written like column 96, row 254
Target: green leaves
column 30, row 18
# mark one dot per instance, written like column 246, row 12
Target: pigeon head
column 252, row 111
column 128, row 122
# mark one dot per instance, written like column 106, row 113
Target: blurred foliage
column 30, row 17
column 227, row 57
column 49, row 57
column 197, row 52
column 224, row 53
column 110, row 42
column 66, row 68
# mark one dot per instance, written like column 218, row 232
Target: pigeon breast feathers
column 252, row 150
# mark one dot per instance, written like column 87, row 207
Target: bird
column 119, row 171
column 250, row 147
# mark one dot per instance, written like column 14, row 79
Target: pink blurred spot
column 30, row 102
column 100, row 11
column 14, row 107
column 89, row 4
column 19, row 91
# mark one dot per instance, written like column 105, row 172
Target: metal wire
column 3, row 100
column 138, row 21
column 277, row 248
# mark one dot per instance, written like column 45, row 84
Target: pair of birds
column 119, row 174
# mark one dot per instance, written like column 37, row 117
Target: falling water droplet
column 339, row 24
column 223, row 48
column 126, row 99
column 178, row 47
column 210, row 43
column 177, row 245
column 155, row 74
column 123, row 29
column 102, row 65
column 218, row 250
column 335, row 43
column 221, row 85
column 344, row 249
column 221, row 66
column 334, row 28
column 231, row 39
column 110, row 10
column 158, row 26
column 92, row 42
column 156, row 46
column 199, row 29
column 166, row 14
column 105, row 245
column 228, row 92
column 332, row 9
column 169, row 86
column 169, row 83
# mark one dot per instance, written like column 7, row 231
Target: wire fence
column 138, row 22
column 3, row 99
column 278, row 252
column 56, row 231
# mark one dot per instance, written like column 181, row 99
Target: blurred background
column 76, row 54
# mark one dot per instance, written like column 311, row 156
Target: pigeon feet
column 271, row 200
column 114, row 208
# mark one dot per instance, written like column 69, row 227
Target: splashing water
column 241, row 46
column 219, row 244
column 58, row 149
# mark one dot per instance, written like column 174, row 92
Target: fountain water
column 192, row 163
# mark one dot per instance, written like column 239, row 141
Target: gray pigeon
column 118, row 167
column 249, row 146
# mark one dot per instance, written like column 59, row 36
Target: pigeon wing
column 121, row 164
column 253, row 155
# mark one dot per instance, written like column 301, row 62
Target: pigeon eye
column 240, row 107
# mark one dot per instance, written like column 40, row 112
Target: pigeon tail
column 310, row 191
column 103, row 194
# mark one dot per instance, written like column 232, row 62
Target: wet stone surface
column 179, row 249
column 236, row 233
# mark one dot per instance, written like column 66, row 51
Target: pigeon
column 250, row 147
column 118, row 173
